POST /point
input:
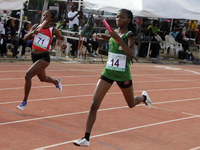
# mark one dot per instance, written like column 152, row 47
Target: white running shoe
column 82, row 142
column 21, row 106
column 59, row 86
column 148, row 102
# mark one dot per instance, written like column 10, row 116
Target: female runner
column 116, row 69
column 40, row 56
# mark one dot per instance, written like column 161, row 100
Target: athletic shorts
column 44, row 56
column 122, row 84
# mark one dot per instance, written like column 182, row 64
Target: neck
column 123, row 30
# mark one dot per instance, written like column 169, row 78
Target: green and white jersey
column 117, row 66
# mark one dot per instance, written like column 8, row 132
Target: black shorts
column 44, row 56
column 122, row 84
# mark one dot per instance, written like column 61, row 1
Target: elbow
column 131, row 56
column 24, row 39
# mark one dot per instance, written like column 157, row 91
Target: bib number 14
column 116, row 62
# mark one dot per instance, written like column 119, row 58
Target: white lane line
column 52, row 86
column 90, row 95
column 47, row 86
column 119, row 131
column 169, row 68
column 195, row 148
column 54, row 116
column 68, row 114
column 83, row 76
column 12, row 71
column 100, row 75
column 192, row 72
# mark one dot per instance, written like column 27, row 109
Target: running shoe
column 59, row 86
column 21, row 106
column 82, row 142
column 148, row 102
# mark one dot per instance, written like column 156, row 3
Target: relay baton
column 41, row 25
column 107, row 26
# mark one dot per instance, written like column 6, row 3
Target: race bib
column 116, row 62
column 41, row 40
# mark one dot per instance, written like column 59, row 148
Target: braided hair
column 131, row 26
column 52, row 13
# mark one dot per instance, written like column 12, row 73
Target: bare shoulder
column 55, row 31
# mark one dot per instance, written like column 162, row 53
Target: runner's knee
column 94, row 106
column 28, row 76
column 131, row 105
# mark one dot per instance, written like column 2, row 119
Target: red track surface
column 52, row 119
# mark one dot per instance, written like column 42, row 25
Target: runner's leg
column 35, row 69
column 129, row 97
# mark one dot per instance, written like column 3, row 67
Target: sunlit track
column 89, row 95
column 88, row 84
column 51, row 116
column 149, row 75
column 106, row 109
column 119, row 131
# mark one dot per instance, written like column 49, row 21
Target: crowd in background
column 76, row 21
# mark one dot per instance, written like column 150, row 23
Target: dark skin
column 9, row 36
column 122, row 23
column 102, row 87
column 38, row 68
column 72, row 18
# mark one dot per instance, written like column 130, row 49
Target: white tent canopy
column 11, row 4
column 185, row 9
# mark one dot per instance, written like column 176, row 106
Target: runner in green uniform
column 116, row 69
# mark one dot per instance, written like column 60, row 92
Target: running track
column 52, row 119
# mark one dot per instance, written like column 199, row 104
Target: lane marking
column 193, row 72
column 52, row 86
column 173, row 110
column 80, row 96
column 55, row 127
column 109, row 145
column 169, row 68
column 12, row 112
column 119, row 131
column 195, row 148
column 76, row 113
column 149, row 75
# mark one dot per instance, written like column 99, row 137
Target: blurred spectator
column 174, row 33
column 63, row 26
column 161, row 33
column 2, row 40
column 10, row 34
column 175, row 24
column 16, row 14
column 82, row 17
column 180, row 38
column 23, row 43
column 71, row 41
column 143, row 30
column 155, row 46
column 88, row 31
column 86, row 44
column 192, row 27
column 73, row 16
column 153, row 27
